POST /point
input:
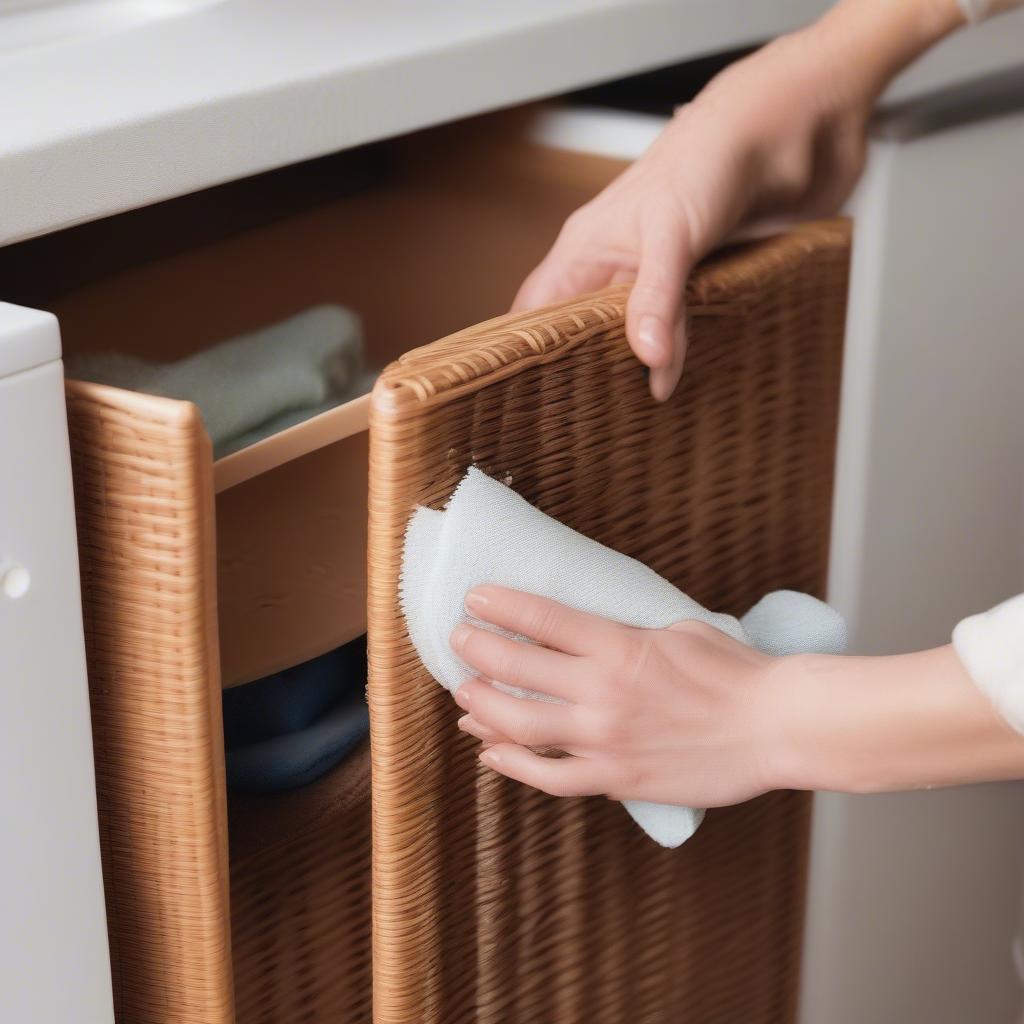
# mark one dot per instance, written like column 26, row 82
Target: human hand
column 688, row 716
column 678, row 716
column 779, row 134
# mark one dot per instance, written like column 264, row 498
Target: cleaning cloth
column 489, row 534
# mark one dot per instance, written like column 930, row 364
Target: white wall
column 915, row 898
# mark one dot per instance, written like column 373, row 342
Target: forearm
column 879, row 38
column 867, row 725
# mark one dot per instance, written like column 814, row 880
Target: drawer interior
column 438, row 236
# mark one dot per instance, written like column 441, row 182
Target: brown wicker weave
column 300, row 901
column 494, row 903
column 144, row 502
column 300, row 863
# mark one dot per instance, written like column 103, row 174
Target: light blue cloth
column 362, row 386
column 488, row 533
column 250, row 386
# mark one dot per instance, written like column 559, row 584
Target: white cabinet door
column 54, row 963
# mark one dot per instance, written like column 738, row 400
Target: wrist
column 871, row 725
column 793, row 758
column 876, row 39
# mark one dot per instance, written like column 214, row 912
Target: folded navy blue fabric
column 298, row 758
column 292, row 700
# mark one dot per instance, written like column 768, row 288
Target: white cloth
column 489, row 534
column 991, row 647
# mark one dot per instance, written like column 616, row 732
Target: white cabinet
column 54, row 968
column 915, row 897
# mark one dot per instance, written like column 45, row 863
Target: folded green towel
column 292, row 368
column 363, row 385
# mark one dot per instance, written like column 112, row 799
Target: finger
column 533, row 723
column 561, row 776
column 559, row 278
column 665, row 379
column 467, row 723
column 517, row 663
column 554, row 625
column 543, row 287
column 655, row 304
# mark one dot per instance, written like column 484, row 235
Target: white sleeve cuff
column 991, row 647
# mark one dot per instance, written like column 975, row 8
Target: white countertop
column 107, row 105
column 118, row 104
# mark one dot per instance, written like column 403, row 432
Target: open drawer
column 456, row 220
column 491, row 902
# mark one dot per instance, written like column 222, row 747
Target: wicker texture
column 300, row 899
column 494, row 903
column 144, row 504
column 298, row 946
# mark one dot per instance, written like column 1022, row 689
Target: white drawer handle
column 16, row 581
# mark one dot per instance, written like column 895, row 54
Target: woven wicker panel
column 144, row 504
column 494, row 903
column 300, row 901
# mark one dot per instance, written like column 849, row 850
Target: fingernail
column 462, row 697
column 659, row 386
column 476, row 601
column 664, row 381
column 647, row 338
column 490, row 757
column 460, row 634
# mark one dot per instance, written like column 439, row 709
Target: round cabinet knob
column 16, row 581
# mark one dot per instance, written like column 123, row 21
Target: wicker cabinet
column 484, row 901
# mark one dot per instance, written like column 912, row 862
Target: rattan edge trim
column 500, row 347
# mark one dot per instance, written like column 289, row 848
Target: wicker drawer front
column 144, row 503
column 496, row 903
column 275, row 925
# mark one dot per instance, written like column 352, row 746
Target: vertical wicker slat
column 494, row 903
column 144, row 502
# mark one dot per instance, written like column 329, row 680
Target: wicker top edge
column 723, row 283
column 171, row 412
